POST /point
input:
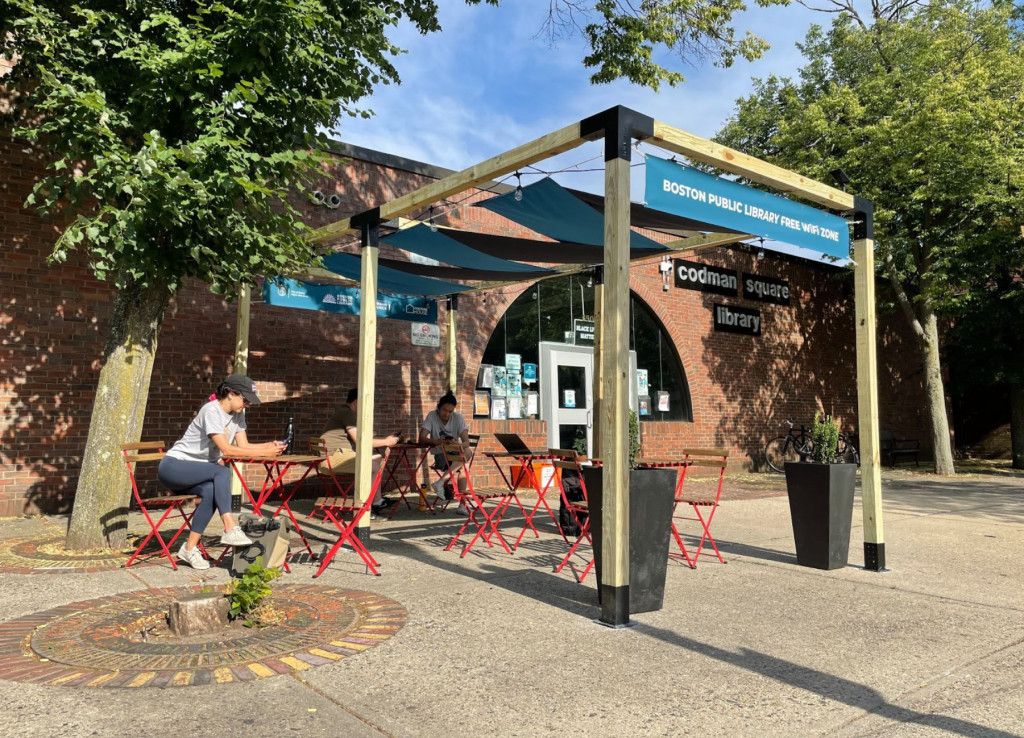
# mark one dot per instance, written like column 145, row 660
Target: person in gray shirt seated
column 194, row 464
column 445, row 426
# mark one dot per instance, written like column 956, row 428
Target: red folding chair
column 173, row 503
column 475, row 501
column 334, row 489
column 698, row 501
column 336, row 509
column 474, row 441
column 580, row 509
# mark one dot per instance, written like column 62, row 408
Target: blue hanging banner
column 329, row 298
column 681, row 190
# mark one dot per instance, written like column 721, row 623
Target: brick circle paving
column 43, row 555
column 89, row 644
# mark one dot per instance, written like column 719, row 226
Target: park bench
column 893, row 446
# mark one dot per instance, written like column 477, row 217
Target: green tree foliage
column 922, row 107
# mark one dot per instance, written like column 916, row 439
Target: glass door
column 567, row 394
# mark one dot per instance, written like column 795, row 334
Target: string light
column 433, row 225
column 519, row 187
column 760, row 251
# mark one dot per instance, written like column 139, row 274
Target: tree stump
column 198, row 614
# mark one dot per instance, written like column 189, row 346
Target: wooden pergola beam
column 561, row 140
column 722, row 157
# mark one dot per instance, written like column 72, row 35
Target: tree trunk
column 100, row 515
column 1017, row 425
column 936, row 397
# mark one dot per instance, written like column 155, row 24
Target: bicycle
column 794, row 446
column 797, row 446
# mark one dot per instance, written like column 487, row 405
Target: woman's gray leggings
column 206, row 479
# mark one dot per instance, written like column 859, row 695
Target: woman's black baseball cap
column 242, row 385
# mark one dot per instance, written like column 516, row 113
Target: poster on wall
column 663, row 402
column 644, row 403
column 569, row 398
column 482, row 403
column 515, row 408
column 515, row 384
column 500, row 387
column 513, row 362
column 499, row 410
column 641, row 382
column 529, row 373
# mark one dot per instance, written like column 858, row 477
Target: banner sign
column 674, row 188
column 765, row 289
column 732, row 319
column 705, row 278
column 330, row 298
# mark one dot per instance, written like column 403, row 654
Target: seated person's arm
column 377, row 442
column 243, row 448
column 464, row 438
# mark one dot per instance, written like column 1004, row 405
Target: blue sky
column 487, row 83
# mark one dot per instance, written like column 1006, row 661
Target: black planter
column 821, row 506
column 651, row 492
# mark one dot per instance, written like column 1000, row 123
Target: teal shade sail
column 550, row 210
column 419, row 239
column 391, row 280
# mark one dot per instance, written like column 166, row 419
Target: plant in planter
column 651, row 493
column 821, row 500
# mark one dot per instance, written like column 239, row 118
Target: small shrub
column 579, row 445
column 824, row 440
column 245, row 594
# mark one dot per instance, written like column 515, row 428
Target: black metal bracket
column 874, row 556
column 863, row 219
column 598, row 274
column 453, row 302
column 369, row 234
column 367, row 216
column 618, row 126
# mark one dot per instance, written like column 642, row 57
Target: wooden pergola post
column 598, row 410
column 453, row 344
column 242, row 330
column 367, row 369
column 619, row 126
column 241, row 365
column 867, row 384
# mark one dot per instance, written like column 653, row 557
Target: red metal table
column 526, row 471
column 400, row 458
column 277, row 468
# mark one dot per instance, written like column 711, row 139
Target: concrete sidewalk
column 499, row 645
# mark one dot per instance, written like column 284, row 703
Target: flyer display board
column 515, row 408
column 499, row 408
column 515, row 384
column 482, row 403
column 513, row 362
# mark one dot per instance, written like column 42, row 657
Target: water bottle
column 289, row 437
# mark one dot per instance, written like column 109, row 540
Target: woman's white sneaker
column 235, row 537
column 193, row 557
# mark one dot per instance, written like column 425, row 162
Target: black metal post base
column 874, row 556
column 614, row 606
column 363, row 534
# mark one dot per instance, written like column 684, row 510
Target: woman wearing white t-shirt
column 445, row 426
column 193, row 464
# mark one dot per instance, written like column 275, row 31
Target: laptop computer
column 513, row 444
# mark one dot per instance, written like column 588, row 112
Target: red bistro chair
column 475, row 501
column 579, row 509
column 706, row 501
column 173, row 503
column 336, row 509
column 474, row 441
column 334, row 489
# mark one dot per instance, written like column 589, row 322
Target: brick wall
column 53, row 319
